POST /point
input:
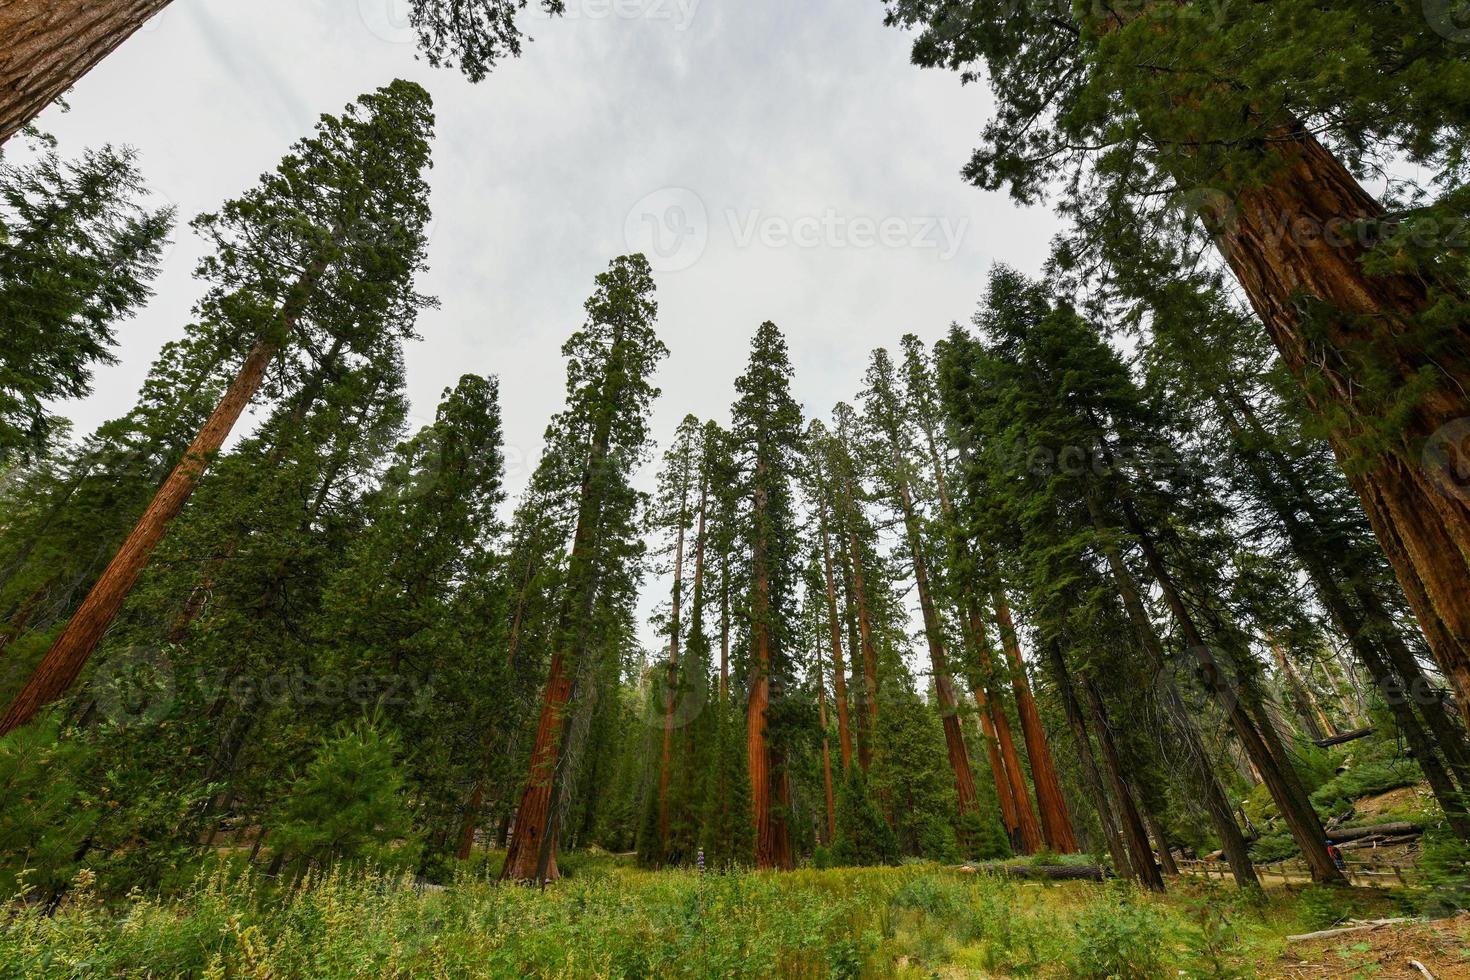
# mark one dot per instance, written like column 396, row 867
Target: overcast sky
column 776, row 160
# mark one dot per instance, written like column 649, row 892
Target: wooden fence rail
column 1359, row 872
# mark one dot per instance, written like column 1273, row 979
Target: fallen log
column 1041, row 872
column 1381, row 830
column 1343, row 739
column 1361, row 927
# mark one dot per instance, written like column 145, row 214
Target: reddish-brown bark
column 1292, row 237
column 1056, row 822
column 666, row 760
column 1031, row 839
column 772, row 836
column 49, row 45
column 1007, row 800
column 63, row 663
column 533, row 814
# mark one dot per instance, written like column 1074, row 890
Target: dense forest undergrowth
column 607, row 919
column 1160, row 562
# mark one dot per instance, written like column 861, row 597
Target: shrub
column 43, row 816
column 863, row 836
column 348, row 806
column 1445, row 864
column 1323, row 908
column 1125, row 940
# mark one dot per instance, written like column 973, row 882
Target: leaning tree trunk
column 63, row 663
column 1004, row 797
column 1414, row 480
column 1201, row 767
column 954, row 736
column 49, row 45
column 1031, row 839
column 1140, row 853
column 1056, row 823
column 1091, row 776
column 1295, row 808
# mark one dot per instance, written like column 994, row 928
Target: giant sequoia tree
column 766, row 424
column 593, row 447
column 51, row 44
column 1254, row 120
column 323, row 252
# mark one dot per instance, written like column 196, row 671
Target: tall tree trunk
column 1413, row 488
column 772, row 836
column 51, row 44
column 523, row 859
column 666, row 761
column 1009, row 817
column 1285, row 789
column 980, row 659
column 1134, row 832
column 1201, row 766
column 954, row 737
column 1318, row 726
column 839, row 669
column 532, row 853
column 1360, row 613
column 63, row 663
column 1166, row 855
column 870, row 653
column 724, row 627
column 826, row 750
column 1031, row 839
column 1091, row 777
column 1056, row 823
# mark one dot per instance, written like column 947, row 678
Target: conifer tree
column 673, row 515
column 1252, row 128
column 886, row 420
column 77, row 254
column 593, row 446
column 766, row 426
column 325, row 248
column 1039, row 343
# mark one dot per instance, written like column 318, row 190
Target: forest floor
column 608, row 919
column 1442, row 948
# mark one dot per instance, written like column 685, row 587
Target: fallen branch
column 1364, row 927
column 1424, row 970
